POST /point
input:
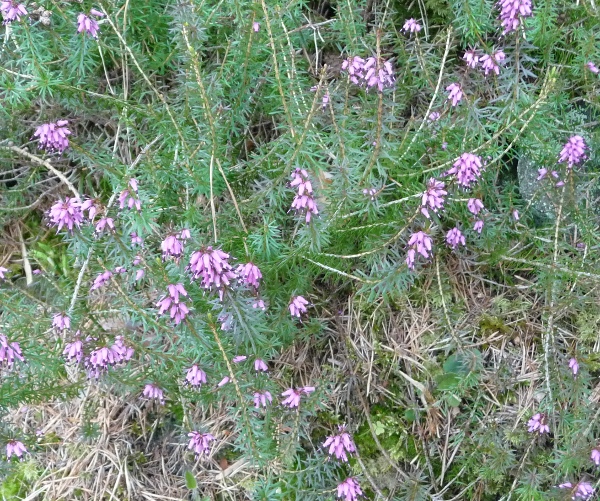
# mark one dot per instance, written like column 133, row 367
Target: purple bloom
column 298, row 306
column 177, row 309
column 213, row 268
column 101, row 358
column 349, row 489
column 293, row 395
column 371, row 192
column 91, row 206
column 122, row 352
column 120, row 270
column 260, row 365
column 250, row 274
column 490, row 62
column 135, row 239
column 103, row 223
column 369, row 73
column 61, row 321
column 261, row 399
column 195, row 376
column 478, row 226
column 419, row 242
column 255, row 27
column 304, row 200
column 139, row 274
column 472, row 58
column 434, row 116
column 455, row 93
column 581, row 490
column 128, row 197
column 454, row 238
column 9, row 352
column 595, row 456
column 475, row 206
column 65, row 213
column 340, row 444
column 53, row 136
column 467, row 168
column 12, row 11
column 3, row 270
column 101, row 279
column 87, row 24
column 592, row 67
column 200, row 442
column 15, row 448
column 574, row 366
column 573, row 152
column 185, row 234
column 238, row 359
column 74, row 351
column 511, row 12
column 171, row 246
column 538, row 423
column 223, row 382
column 515, row 214
column 433, row 197
column 153, row 392
column 259, row 304
column 542, row 173
column 411, row 26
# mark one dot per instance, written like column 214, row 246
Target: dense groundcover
column 300, row 250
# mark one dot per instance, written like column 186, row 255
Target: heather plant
column 306, row 250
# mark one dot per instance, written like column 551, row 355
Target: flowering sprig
column 293, row 396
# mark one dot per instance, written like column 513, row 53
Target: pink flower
column 255, row 27
column 349, row 489
column 238, row 359
column 91, row 206
column 434, row 116
column 103, row 223
column 259, row 304
column 101, row 358
column 454, row 238
column 12, row 11
column 65, row 213
column 123, row 353
column 250, row 274
column 511, row 12
column 223, row 382
column 369, row 73
column 171, row 246
column 185, row 234
column 595, row 456
column 9, row 352
column 101, row 279
column 87, row 24
column 293, row 396
column 592, row 67
column 370, row 192
column 200, row 442
column 304, row 201
column 411, row 26
column 53, row 136
column 433, row 197
column 61, row 321
column 490, row 62
column 542, row 173
column 74, row 351
column 195, row 376
column 139, row 274
column 467, row 168
column 135, row 239
column 178, row 310
column 574, row 366
column 475, row 206
column 455, row 93
column 129, row 199
column 261, row 399
column 3, row 270
column 153, row 392
column 340, row 444
column 478, row 226
column 581, row 490
column 472, row 58
column 515, row 214
column 298, row 306
column 418, row 242
column 573, row 152
column 538, row 424
column 213, row 268
column 260, row 365
column 15, row 448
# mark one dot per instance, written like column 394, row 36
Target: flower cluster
column 512, row 12
column 100, row 359
column 455, row 93
column 298, row 306
column 200, row 442
column 65, row 213
column 73, row 351
column 340, row 444
column 129, row 196
column 349, row 489
column 249, row 274
column 419, row 242
column 261, row 399
column 370, row 73
column 490, row 62
column 61, row 322
column 172, row 246
column 573, row 152
column 9, row 352
column 195, row 376
column 293, row 396
column 172, row 302
column 433, row 197
column 212, row 267
column 154, row 392
column 411, row 26
column 538, row 423
column 581, row 490
column 467, row 168
column 3, row 270
column 454, row 238
column 87, row 24
column 101, row 280
column 574, row 366
column 15, row 448
column 304, row 200
column 595, row 456
column 53, row 136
